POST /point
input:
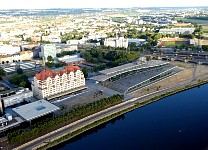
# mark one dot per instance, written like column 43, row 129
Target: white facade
column 52, row 39
column 66, row 47
column 9, row 49
column 10, row 58
column 116, row 42
column 47, row 82
column 177, row 31
column 48, row 50
column 19, row 97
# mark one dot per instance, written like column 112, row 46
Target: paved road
column 7, row 84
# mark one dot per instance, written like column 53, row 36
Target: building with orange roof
column 26, row 55
column 48, row 83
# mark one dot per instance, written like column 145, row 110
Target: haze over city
column 39, row 4
column 123, row 74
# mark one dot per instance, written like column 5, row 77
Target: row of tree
column 113, row 58
column 40, row 128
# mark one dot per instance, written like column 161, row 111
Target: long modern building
column 127, row 69
column 48, row 83
column 130, row 77
column 177, row 31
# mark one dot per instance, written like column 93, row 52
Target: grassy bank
column 106, row 119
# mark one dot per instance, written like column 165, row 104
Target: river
column 178, row 122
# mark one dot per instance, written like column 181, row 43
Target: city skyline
column 38, row 4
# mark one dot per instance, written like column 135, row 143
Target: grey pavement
column 7, row 83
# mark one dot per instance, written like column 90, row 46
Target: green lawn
column 169, row 44
column 172, row 44
column 179, row 43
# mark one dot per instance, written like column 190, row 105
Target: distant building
column 138, row 42
column 177, row 31
column 52, row 39
column 140, row 21
column 116, row 42
column 72, row 60
column 48, row 83
column 66, row 47
column 4, row 59
column 73, row 42
column 48, row 50
column 9, row 49
column 26, row 55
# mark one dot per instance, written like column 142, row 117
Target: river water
column 178, row 122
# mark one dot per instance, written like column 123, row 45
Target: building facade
column 26, row 55
column 9, row 49
column 177, row 31
column 16, row 96
column 48, row 50
column 48, row 83
column 116, row 42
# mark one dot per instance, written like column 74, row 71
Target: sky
column 43, row 4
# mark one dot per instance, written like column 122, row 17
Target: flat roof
column 11, row 90
column 115, row 69
column 69, row 59
column 100, row 78
column 35, row 110
column 131, row 65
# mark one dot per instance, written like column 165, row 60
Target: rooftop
column 70, row 59
column 131, row 65
column 35, row 110
column 43, row 75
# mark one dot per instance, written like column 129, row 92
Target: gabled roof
column 43, row 75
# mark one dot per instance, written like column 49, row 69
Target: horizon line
column 104, row 7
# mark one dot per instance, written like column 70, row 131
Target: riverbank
column 106, row 119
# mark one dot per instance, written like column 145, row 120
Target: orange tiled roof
column 43, row 75
column 25, row 52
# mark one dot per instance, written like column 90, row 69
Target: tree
column 50, row 65
column 85, row 72
column 50, row 58
column 2, row 72
column 28, row 39
column 23, row 84
column 6, row 42
column 205, row 47
column 19, row 71
column 148, row 58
